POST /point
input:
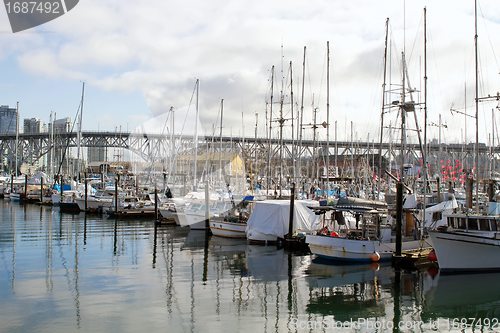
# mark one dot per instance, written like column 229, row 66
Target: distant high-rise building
column 9, row 119
column 97, row 154
column 62, row 125
column 34, row 125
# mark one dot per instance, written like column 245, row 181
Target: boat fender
column 375, row 256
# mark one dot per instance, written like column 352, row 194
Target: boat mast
column 220, row 141
column 301, row 113
column 270, row 132
column 424, row 157
column 403, row 121
column 17, row 134
column 327, row 119
column 382, row 113
column 476, row 174
column 294, row 148
column 79, row 137
column 196, row 137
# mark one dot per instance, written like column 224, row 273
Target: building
column 34, row 126
column 62, row 125
column 61, row 159
column 9, row 120
column 97, row 154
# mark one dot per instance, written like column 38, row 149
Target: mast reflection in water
column 77, row 273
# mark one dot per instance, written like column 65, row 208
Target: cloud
column 160, row 48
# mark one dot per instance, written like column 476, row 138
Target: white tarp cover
column 271, row 217
column 441, row 207
column 36, row 180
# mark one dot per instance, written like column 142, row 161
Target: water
column 77, row 273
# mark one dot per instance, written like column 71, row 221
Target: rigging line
column 417, row 37
column 189, row 107
column 489, row 38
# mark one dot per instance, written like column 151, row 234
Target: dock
column 416, row 259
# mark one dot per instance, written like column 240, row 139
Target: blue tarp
column 66, row 187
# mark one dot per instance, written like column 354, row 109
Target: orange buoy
column 432, row 256
column 334, row 234
column 375, row 266
column 375, row 256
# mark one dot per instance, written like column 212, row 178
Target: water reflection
column 65, row 272
column 463, row 296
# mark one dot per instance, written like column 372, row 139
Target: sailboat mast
column 301, row 113
column 79, row 139
column 424, row 153
column 294, row 148
column 17, row 135
column 327, row 119
column 403, row 121
column 196, row 137
column 476, row 173
column 380, row 174
column 220, row 141
column 270, row 132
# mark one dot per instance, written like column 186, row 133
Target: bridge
column 150, row 147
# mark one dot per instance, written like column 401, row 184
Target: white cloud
column 159, row 48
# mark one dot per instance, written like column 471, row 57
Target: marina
column 86, row 273
column 341, row 211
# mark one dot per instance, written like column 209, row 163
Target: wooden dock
column 417, row 259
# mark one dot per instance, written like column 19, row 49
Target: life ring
column 334, row 234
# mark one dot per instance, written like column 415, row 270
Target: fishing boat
column 232, row 224
column 361, row 232
column 469, row 241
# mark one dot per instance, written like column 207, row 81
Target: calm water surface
column 77, row 273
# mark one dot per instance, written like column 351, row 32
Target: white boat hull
column 94, row 203
column 344, row 249
column 255, row 236
column 15, row 197
column 196, row 221
column 457, row 251
column 228, row 229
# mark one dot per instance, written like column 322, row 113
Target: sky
column 139, row 59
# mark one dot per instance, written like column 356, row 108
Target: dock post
column 207, row 209
column 41, row 189
column 290, row 219
column 156, row 203
column 25, row 187
column 399, row 218
column 86, row 188
column 117, row 179
column 12, row 183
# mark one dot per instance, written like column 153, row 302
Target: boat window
column 472, row 225
column 494, row 225
column 220, row 206
column 452, row 222
column 484, row 224
column 461, row 224
column 196, row 206
column 436, row 216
